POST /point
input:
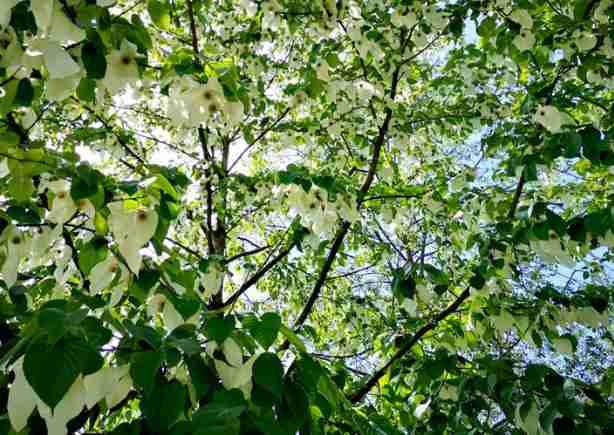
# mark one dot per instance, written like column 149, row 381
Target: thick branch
column 345, row 226
column 315, row 293
column 517, row 195
column 256, row 277
column 358, row 395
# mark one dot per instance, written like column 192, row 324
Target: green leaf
column 219, row 328
column 581, row 8
column 268, row 373
column 86, row 91
column 593, row 144
column 403, row 286
column 203, row 378
column 160, row 13
column 437, row 276
column 23, row 215
column 477, row 281
column 164, row 406
column 87, row 359
column 92, row 253
column 143, row 369
column 571, row 142
column 8, row 139
column 51, row 323
column 225, row 406
column 94, row 60
column 487, row 27
column 296, row 402
column 21, row 188
column 142, row 286
column 50, row 370
column 80, row 189
column 95, row 332
column 6, row 100
column 25, row 93
column 229, row 426
column 133, row 428
column 293, row 339
column 265, row 332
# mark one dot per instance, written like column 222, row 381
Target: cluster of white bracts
column 111, row 384
column 191, row 103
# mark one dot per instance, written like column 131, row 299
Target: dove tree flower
column 122, row 69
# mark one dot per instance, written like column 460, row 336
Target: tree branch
column 255, row 278
column 246, row 254
column 345, row 226
column 358, row 395
column 260, row 136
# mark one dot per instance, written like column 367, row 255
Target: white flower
column 585, row 40
column 250, row 7
column 551, row 118
column 435, row 18
column 410, row 306
column 63, row 30
column 22, row 398
column 103, row 273
column 17, row 247
column 237, row 376
column 122, row 69
column 234, row 111
column 42, row 11
column 105, row 3
column 425, row 293
column 270, row 19
column 44, row 240
column 524, row 40
column 322, row 70
column 400, row 19
column 530, row 424
column 132, row 230
column 422, row 410
column 419, row 38
column 86, row 207
column 69, row 407
column 563, row 345
column 601, row 11
column 212, row 279
column 63, row 207
column 347, row 210
column 5, row 11
column 172, row 318
column 607, row 48
column 56, row 59
column 232, row 352
column 60, row 89
column 365, row 90
column 522, row 17
column 191, row 103
column 106, row 383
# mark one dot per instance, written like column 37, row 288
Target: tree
column 329, row 217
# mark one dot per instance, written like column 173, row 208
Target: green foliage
column 284, row 217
